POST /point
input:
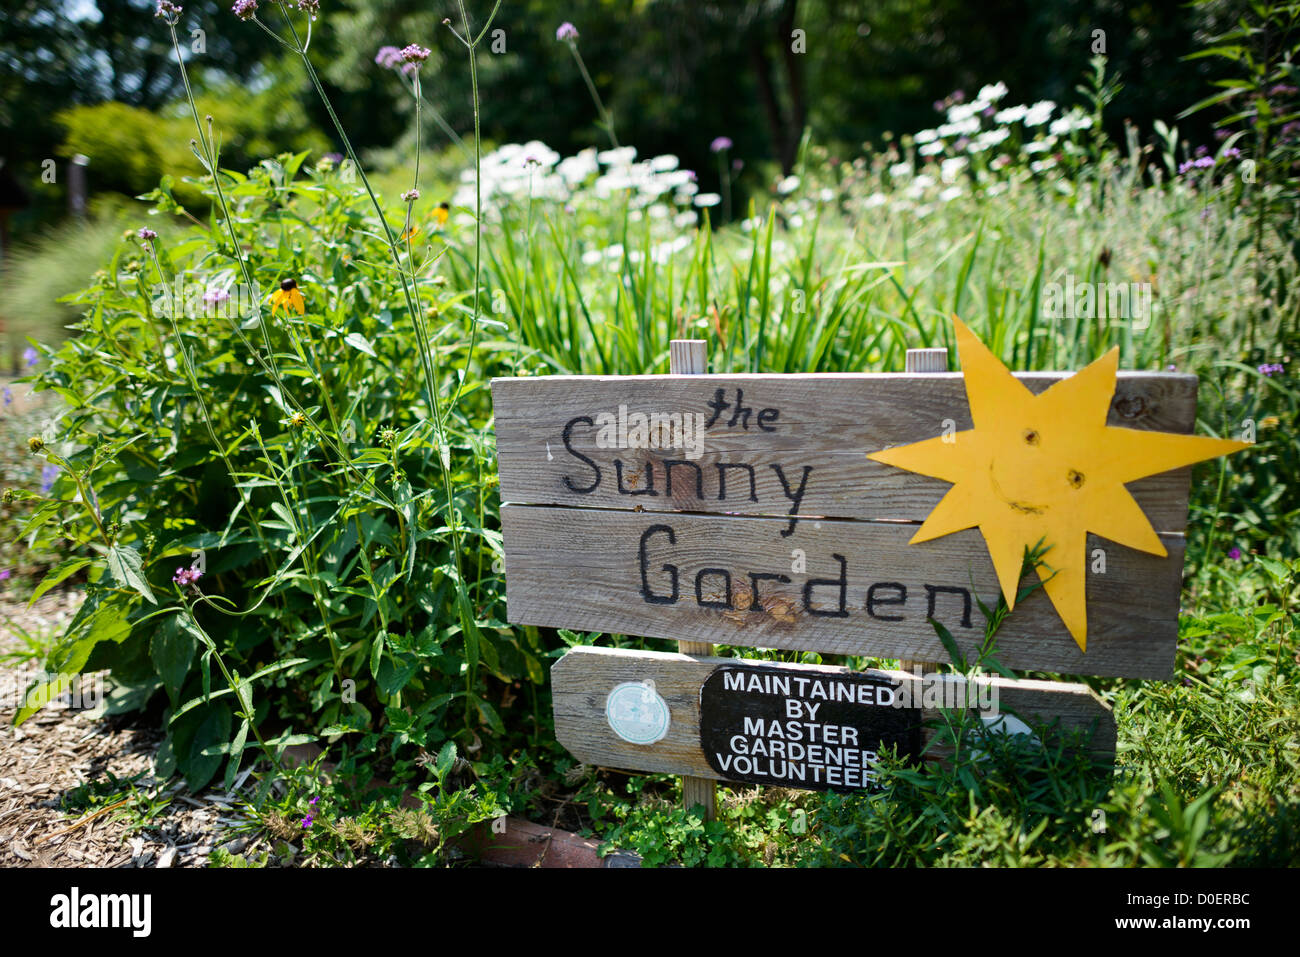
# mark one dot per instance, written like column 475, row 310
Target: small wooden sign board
column 742, row 509
column 787, row 725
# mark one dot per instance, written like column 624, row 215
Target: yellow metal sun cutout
column 1045, row 468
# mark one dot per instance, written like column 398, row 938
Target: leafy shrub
column 291, row 460
column 131, row 148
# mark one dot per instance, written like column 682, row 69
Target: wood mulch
column 58, row 750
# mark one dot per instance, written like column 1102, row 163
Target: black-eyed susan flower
column 289, row 296
column 440, row 214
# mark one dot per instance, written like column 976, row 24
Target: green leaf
column 1276, row 570
column 57, row 574
column 236, row 753
column 126, row 567
column 445, row 760
column 949, row 644
column 357, row 341
column 172, row 650
column 211, row 737
column 394, row 673
column 377, row 653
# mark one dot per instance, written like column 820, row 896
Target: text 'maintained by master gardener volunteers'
column 821, row 730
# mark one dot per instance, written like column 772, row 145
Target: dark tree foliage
column 674, row 73
column 57, row 55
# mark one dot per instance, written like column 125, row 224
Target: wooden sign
column 789, row 725
column 743, row 510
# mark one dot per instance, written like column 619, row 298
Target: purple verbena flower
column 1282, row 89
column 720, row 143
column 390, row 58
column 215, row 297
column 308, row 821
column 566, row 31
column 48, row 474
column 146, row 234
column 1235, row 554
column 1272, row 368
column 168, row 11
column 5, row 573
column 414, row 53
column 9, row 396
column 410, row 196
column 187, row 576
column 31, row 357
column 310, row 7
column 244, row 9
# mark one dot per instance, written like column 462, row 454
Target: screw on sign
column 906, row 498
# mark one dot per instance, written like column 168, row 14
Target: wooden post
column 924, row 360
column 690, row 357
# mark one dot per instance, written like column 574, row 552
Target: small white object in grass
column 787, row 185
column 930, row 149
column 993, row 92
column 949, row 168
column 622, row 156
column 707, row 199
column 1005, row 724
column 961, row 127
column 961, row 112
column 1039, row 113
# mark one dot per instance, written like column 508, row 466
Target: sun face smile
column 1045, row 468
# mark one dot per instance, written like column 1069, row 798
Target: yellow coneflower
column 440, row 214
column 289, row 296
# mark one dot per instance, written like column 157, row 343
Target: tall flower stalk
column 568, row 34
column 415, row 54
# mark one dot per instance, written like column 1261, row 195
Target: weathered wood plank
column 582, row 568
column 691, row 357
column 582, row 679
column 825, row 423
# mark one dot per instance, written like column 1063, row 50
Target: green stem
column 605, row 118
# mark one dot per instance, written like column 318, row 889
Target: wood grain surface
column 614, row 571
column 583, row 678
column 826, row 423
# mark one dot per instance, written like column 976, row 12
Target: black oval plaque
column 802, row 727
